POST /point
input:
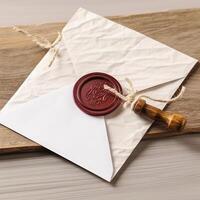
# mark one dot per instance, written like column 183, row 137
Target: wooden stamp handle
column 172, row 120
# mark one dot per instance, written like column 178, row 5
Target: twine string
column 42, row 42
column 132, row 95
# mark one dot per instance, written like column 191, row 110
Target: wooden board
column 178, row 29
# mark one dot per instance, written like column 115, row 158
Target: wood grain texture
column 178, row 29
column 170, row 120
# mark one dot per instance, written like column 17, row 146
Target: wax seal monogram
column 91, row 97
column 96, row 93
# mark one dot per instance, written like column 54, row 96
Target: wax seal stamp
column 99, row 94
column 91, row 97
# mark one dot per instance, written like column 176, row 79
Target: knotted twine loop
column 42, row 42
column 132, row 95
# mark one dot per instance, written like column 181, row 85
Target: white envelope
column 43, row 109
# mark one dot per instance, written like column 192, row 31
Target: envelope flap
column 98, row 44
column 54, row 121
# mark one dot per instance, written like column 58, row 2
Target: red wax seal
column 91, row 97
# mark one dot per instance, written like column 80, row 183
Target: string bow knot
column 42, row 42
column 133, row 95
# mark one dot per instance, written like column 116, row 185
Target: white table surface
column 167, row 169
column 41, row 11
